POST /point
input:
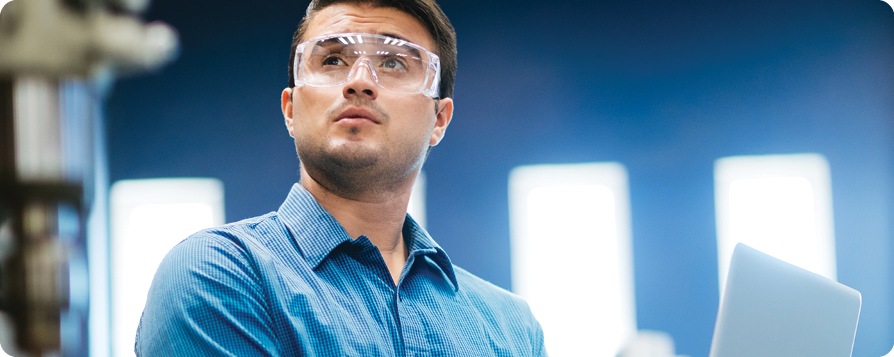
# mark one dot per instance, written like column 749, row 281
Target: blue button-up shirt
column 293, row 283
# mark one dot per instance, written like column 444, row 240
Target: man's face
column 359, row 137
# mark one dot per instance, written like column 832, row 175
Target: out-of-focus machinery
column 57, row 60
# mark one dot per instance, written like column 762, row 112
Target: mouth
column 357, row 116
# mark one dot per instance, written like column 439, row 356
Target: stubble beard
column 355, row 170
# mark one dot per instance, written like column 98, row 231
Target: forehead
column 342, row 18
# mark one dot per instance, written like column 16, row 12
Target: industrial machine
column 58, row 58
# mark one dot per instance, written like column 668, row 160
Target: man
column 341, row 269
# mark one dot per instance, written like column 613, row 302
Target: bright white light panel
column 416, row 208
column 148, row 218
column 778, row 204
column 572, row 256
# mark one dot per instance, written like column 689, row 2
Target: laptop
column 771, row 308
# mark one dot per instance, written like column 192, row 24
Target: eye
column 333, row 61
column 393, row 63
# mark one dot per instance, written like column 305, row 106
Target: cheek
column 415, row 126
column 307, row 108
column 423, row 116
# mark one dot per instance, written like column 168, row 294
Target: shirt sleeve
column 537, row 341
column 205, row 301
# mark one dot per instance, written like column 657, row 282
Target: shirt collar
column 313, row 228
column 317, row 233
column 420, row 243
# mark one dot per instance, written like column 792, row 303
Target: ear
column 442, row 119
column 287, row 110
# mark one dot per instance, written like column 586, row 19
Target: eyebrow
column 395, row 36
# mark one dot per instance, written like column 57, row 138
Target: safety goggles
column 395, row 64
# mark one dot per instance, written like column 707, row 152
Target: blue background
column 663, row 87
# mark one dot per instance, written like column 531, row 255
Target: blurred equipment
column 65, row 38
column 57, row 57
column 771, row 308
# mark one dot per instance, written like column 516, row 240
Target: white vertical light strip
column 571, row 254
column 148, row 218
column 99, row 317
column 778, row 204
column 416, row 208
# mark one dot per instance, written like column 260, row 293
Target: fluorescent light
column 148, row 218
column 571, row 254
column 416, row 208
column 779, row 204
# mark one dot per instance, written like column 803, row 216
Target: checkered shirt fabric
column 293, row 283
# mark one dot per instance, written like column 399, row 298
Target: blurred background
column 662, row 88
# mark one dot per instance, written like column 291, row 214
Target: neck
column 379, row 216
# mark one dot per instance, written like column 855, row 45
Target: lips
column 357, row 115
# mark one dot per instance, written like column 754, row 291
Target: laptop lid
column 772, row 308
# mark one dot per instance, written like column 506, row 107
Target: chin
column 353, row 155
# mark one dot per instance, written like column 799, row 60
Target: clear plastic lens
column 395, row 64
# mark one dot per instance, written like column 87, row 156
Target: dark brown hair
column 426, row 11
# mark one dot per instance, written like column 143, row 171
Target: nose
column 362, row 81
